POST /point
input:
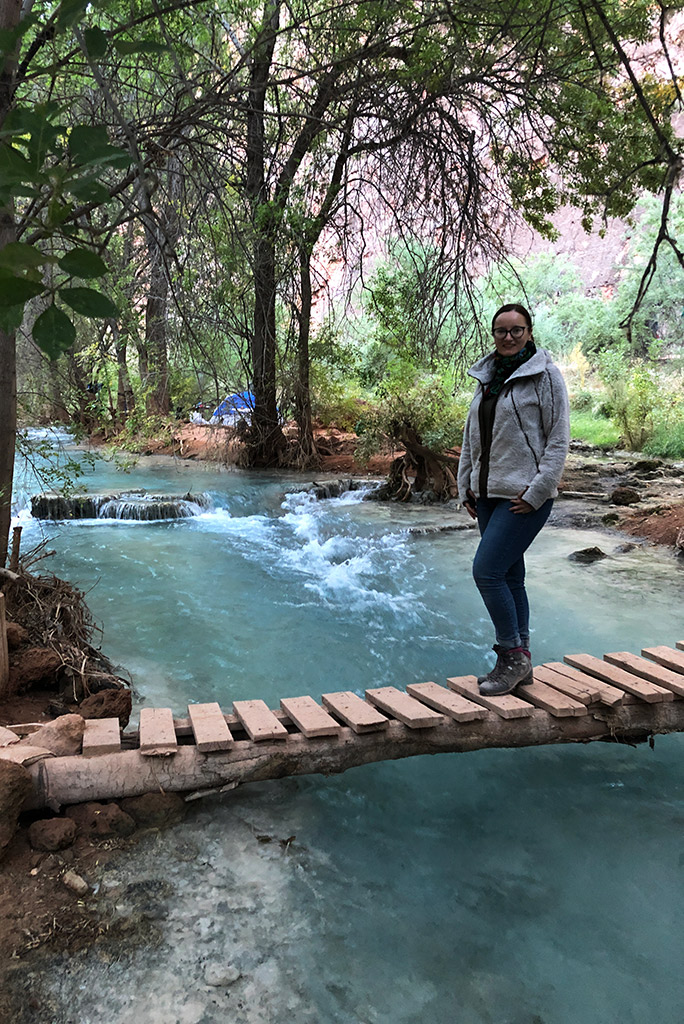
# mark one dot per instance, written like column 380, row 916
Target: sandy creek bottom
column 512, row 887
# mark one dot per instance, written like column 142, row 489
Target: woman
column 514, row 447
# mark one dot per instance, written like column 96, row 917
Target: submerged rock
column 587, row 555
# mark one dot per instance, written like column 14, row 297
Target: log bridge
column 624, row 698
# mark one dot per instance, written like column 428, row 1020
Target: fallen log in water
column 76, row 779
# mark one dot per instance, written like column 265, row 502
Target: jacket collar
column 483, row 370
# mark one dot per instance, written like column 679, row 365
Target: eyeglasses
column 515, row 332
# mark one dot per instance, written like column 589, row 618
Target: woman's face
column 507, row 345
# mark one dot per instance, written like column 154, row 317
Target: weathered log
column 69, row 780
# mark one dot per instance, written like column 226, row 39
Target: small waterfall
column 335, row 488
column 134, row 505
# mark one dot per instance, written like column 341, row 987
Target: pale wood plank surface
column 354, row 712
column 209, row 727
column 101, row 736
column 404, row 708
column 309, row 717
column 157, row 734
column 450, row 703
column 648, row 670
column 259, row 722
column 666, row 656
column 507, row 706
column 548, row 699
column 640, row 688
column 607, row 694
column 583, row 692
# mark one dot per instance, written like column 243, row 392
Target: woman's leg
column 499, row 567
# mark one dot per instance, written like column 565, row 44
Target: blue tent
column 240, row 405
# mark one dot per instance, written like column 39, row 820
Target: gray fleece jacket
column 530, row 435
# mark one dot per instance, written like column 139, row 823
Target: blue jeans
column 499, row 566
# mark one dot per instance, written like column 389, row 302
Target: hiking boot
column 512, row 669
column 499, row 651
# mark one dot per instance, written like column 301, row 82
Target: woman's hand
column 518, row 505
column 470, row 504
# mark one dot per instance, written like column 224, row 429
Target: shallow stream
column 532, row 886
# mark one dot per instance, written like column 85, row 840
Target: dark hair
column 513, row 307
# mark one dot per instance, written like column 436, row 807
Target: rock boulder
column 52, row 834
column 101, row 820
column 15, row 787
column 108, row 704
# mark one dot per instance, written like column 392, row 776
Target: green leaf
column 15, row 291
column 70, row 11
column 82, row 263
column 88, row 302
column 96, row 42
column 88, row 190
column 89, row 144
column 54, row 332
column 140, row 46
column 13, row 166
column 11, row 318
column 19, row 255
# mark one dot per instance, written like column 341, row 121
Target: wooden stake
column 16, row 541
column 4, row 652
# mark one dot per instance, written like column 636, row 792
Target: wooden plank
column 450, row 703
column 666, row 656
column 583, row 692
column 101, row 736
column 648, row 670
column 558, row 704
column 259, row 723
column 354, row 712
column 607, row 694
column 507, row 706
column 680, row 645
column 309, row 717
column 618, row 677
column 157, row 734
column 209, row 727
column 404, row 708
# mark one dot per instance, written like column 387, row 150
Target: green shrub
column 594, row 429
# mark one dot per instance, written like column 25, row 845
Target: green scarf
column 504, row 366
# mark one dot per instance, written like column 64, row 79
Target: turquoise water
column 534, row 886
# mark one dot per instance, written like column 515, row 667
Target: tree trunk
column 125, row 399
column 302, row 391
column 10, row 14
column 266, row 440
column 156, row 380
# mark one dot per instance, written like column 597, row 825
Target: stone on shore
column 52, row 834
column 101, row 821
column 15, row 787
column 154, row 810
column 62, row 737
column 108, row 704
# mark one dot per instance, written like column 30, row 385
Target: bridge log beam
column 68, row 780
